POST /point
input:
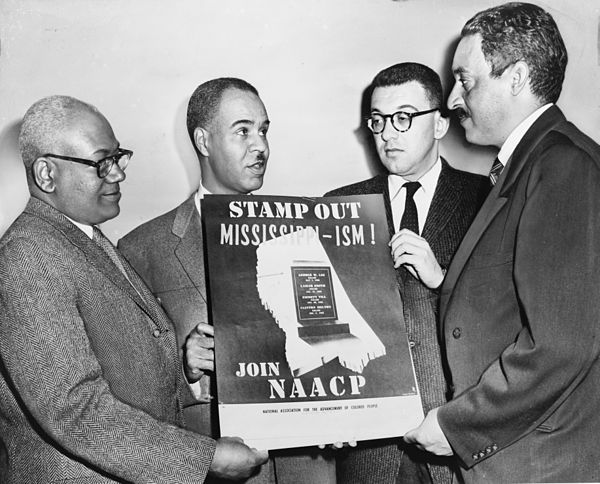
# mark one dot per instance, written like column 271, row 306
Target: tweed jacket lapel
column 188, row 228
column 496, row 199
column 446, row 198
column 100, row 260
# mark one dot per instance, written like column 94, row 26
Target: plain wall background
column 138, row 61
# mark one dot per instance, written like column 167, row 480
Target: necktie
column 410, row 218
column 497, row 168
column 109, row 249
column 111, row 252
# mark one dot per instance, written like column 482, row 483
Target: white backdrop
column 311, row 60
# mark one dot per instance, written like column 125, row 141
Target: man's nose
column 455, row 99
column 260, row 143
column 116, row 174
column 389, row 132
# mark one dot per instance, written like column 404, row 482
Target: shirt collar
column 200, row 195
column 508, row 147
column 86, row 229
column 428, row 181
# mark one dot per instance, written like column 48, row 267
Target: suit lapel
column 446, row 199
column 544, row 124
column 492, row 205
column 496, row 199
column 189, row 250
column 100, row 260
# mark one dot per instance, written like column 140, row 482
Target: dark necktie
column 410, row 218
column 497, row 168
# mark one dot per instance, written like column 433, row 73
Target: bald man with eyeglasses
column 429, row 207
column 91, row 381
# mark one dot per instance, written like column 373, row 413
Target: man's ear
column 519, row 77
column 200, row 140
column 441, row 125
column 43, row 172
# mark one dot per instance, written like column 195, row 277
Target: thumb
column 410, row 437
column 261, row 456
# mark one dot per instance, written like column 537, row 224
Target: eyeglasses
column 401, row 120
column 103, row 166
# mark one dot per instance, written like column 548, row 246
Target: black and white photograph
column 141, row 339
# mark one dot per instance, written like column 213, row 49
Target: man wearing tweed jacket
column 91, row 382
column 426, row 223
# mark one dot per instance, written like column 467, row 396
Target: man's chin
column 253, row 184
column 471, row 135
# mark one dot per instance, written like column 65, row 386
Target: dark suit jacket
column 520, row 317
column 91, row 385
column 167, row 252
column 458, row 196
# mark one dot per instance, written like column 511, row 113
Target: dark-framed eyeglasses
column 401, row 120
column 103, row 166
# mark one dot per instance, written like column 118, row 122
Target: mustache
column 461, row 113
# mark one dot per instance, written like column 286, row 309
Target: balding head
column 57, row 133
column 45, row 124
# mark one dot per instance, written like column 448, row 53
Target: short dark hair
column 522, row 32
column 404, row 72
column 205, row 100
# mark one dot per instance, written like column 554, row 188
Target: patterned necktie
column 111, row 252
column 497, row 168
column 410, row 218
column 109, row 249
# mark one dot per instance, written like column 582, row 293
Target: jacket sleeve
column 556, row 272
column 48, row 358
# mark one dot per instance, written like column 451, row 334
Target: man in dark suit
column 227, row 124
column 429, row 207
column 519, row 317
column 91, row 382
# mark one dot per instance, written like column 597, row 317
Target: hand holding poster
column 310, row 340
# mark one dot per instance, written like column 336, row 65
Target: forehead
column 469, row 56
column 408, row 95
column 237, row 105
column 89, row 132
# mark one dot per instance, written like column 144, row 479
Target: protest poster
column 310, row 341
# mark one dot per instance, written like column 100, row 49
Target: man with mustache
column 227, row 124
column 518, row 313
column 429, row 206
column 91, row 380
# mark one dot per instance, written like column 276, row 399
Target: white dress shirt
column 514, row 138
column 86, row 229
column 423, row 196
column 200, row 195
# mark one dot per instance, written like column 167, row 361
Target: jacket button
column 456, row 332
column 156, row 333
column 412, row 344
column 475, row 456
column 159, row 300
